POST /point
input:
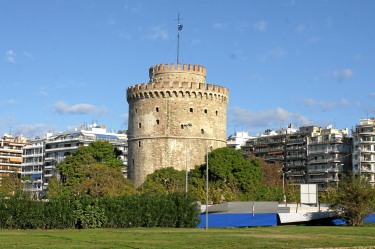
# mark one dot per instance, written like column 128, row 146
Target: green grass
column 254, row 237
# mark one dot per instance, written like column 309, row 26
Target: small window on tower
column 217, row 112
column 157, row 109
column 191, row 109
column 205, row 111
column 139, row 143
column 136, row 110
column 202, row 131
column 157, row 121
column 182, row 126
column 140, row 125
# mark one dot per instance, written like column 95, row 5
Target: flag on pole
column 180, row 27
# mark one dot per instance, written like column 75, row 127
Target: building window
column 202, row 131
column 136, row 110
column 205, row 111
column 191, row 109
column 133, row 161
column 217, row 112
column 140, row 125
column 139, row 143
column 157, row 121
column 157, row 109
column 182, row 126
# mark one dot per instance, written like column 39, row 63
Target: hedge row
column 175, row 210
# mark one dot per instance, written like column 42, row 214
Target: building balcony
column 62, row 149
column 317, row 171
column 318, row 180
column 295, row 173
column 32, row 164
column 328, row 141
column 296, row 141
column 295, row 156
column 32, row 155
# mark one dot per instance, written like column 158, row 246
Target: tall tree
column 94, row 170
column 353, row 199
column 164, row 181
column 100, row 180
column 9, row 185
column 231, row 176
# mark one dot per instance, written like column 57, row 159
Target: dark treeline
column 172, row 210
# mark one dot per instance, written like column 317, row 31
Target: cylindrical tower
column 173, row 119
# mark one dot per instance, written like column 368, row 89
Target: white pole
column 186, row 180
column 206, row 188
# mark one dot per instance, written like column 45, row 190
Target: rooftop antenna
column 179, row 28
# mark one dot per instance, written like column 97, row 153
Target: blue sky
column 64, row 63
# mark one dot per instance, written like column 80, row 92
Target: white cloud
column 342, row 75
column 358, row 57
column 10, row 56
column 261, row 25
column 344, row 102
column 372, row 94
column 324, row 105
column 158, row 33
column 62, row 108
column 265, row 119
column 7, row 102
column 28, row 55
column 43, row 91
column 218, row 25
column 273, row 54
column 33, row 130
column 316, row 39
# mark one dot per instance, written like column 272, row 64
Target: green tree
column 165, row 181
column 353, row 199
column 10, row 185
column 100, row 180
column 94, row 170
column 231, row 177
column 55, row 188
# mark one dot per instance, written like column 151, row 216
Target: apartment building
column 42, row 156
column 311, row 154
column 329, row 154
column 11, row 154
column 364, row 149
column 238, row 139
column 32, row 165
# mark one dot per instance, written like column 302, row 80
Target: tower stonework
column 174, row 119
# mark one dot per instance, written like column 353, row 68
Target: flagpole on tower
column 179, row 28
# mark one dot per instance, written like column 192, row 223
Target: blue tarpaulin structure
column 238, row 220
column 240, row 214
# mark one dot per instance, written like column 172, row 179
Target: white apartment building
column 238, row 139
column 364, row 149
column 32, row 165
column 329, row 152
column 42, row 156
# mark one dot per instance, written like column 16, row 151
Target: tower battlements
column 177, row 88
column 173, row 72
column 177, row 80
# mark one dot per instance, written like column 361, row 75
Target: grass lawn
column 254, row 237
